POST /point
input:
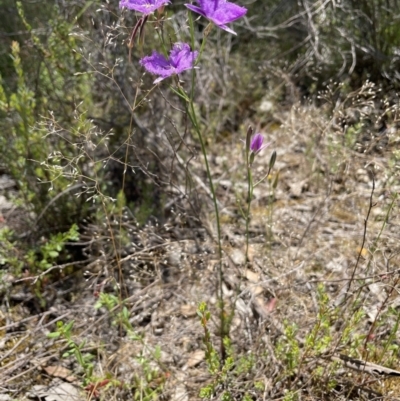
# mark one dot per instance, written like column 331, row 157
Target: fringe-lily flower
column 220, row 12
column 145, row 7
column 180, row 59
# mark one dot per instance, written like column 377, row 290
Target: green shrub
column 33, row 150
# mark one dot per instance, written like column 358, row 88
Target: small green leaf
column 53, row 254
column 69, row 326
column 55, row 334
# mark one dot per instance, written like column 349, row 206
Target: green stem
column 224, row 330
column 249, row 196
column 193, row 118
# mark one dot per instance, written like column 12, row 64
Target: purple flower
column 143, row 6
column 256, row 143
column 220, row 12
column 180, row 59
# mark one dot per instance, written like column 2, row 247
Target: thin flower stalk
column 250, row 189
column 254, row 145
column 224, row 330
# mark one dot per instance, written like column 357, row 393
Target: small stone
column 195, row 358
column 180, row 393
column 252, row 276
column 188, row 310
column 238, row 257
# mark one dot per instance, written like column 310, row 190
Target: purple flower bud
column 256, row 143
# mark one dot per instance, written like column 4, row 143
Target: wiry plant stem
column 249, row 196
column 224, row 331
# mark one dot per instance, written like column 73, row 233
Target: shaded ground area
column 332, row 220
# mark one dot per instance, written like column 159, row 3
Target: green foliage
column 27, row 110
column 352, row 134
column 350, row 338
column 84, row 359
column 148, row 385
column 18, row 111
column 62, row 82
column 9, row 253
column 245, row 364
column 51, row 249
column 320, row 338
column 224, row 373
column 38, row 259
column 35, row 261
column 148, row 381
column 288, row 348
column 290, row 396
column 212, row 357
column 119, row 312
column 207, row 392
column 390, row 347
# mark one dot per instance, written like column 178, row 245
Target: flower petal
column 181, row 58
column 209, row 6
column 159, row 79
column 157, row 64
column 256, row 143
column 220, row 12
column 227, row 29
column 144, row 6
column 228, row 12
column 196, row 9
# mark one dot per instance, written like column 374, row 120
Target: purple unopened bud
column 256, row 143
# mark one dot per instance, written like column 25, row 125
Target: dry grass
column 319, row 296
column 332, row 221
